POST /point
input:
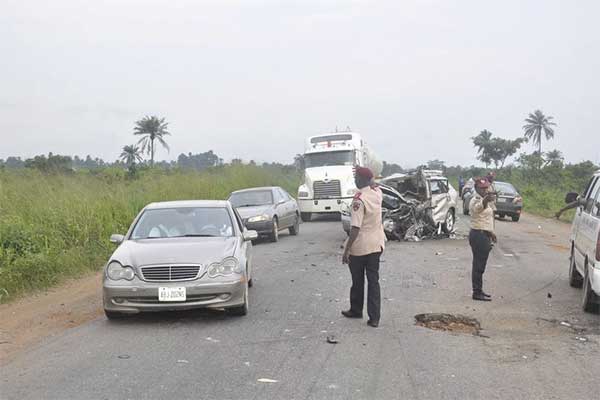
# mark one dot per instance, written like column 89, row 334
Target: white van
column 584, row 270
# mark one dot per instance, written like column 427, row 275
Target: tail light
column 598, row 247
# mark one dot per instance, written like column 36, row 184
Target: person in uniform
column 364, row 247
column 481, row 235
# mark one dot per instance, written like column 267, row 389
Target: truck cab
column 329, row 161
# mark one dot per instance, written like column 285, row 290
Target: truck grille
column 327, row 190
column 170, row 272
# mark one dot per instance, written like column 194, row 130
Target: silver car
column 180, row 255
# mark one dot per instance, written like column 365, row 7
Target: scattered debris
column 332, row 339
column 183, row 362
column 267, row 380
column 581, row 338
column 549, row 295
column 247, row 363
column 509, row 255
column 439, row 253
column 564, row 323
column 124, row 356
column 449, row 322
column 212, row 340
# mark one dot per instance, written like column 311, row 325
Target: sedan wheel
column 243, row 309
column 275, row 233
column 295, row 229
column 448, row 225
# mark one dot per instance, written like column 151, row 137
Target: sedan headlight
column 228, row 266
column 259, row 218
column 116, row 271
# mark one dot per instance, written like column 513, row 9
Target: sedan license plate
column 171, row 294
column 502, row 200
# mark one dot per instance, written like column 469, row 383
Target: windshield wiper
column 195, row 235
column 248, row 205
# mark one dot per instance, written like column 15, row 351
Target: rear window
column 505, row 188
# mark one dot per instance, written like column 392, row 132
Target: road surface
column 536, row 343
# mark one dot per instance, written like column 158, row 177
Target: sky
column 252, row 79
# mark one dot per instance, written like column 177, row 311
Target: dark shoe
column 486, row 295
column 373, row 324
column 480, row 297
column 351, row 314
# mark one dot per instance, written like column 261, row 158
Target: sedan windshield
column 505, row 188
column 252, row 198
column 183, row 222
column 329, row 158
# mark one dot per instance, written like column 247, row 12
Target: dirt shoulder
column 34, row 317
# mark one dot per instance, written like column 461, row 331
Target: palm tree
column 554, row 158
column 537, row 123
column 152, row 128
column 131, row 154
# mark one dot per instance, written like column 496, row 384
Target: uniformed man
column 364, row 247
column 481, row 235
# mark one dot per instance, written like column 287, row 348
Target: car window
column 183, row 222
column 438, row 187
column 505, row 188
column 587, row 190
column 596, row 208
column 278, row 196
column 590, row 201
column 284, row 194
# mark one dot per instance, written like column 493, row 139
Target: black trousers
column 359, row 266
column 481, row 245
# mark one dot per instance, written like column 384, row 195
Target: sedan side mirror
column 250, row 235
column 116, row 238
column 571, row 197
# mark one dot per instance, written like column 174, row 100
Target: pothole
column 449, row 323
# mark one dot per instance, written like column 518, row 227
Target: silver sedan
column 180, row 255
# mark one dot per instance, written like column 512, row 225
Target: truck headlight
column 116, row 271
column 351, row 192
column 259, row 218
column 228, row 266
column 303, row 194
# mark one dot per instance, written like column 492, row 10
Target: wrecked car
column 416, row 206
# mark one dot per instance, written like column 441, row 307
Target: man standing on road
column 481, row 235
column 364, row 247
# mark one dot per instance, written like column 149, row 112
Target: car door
column 280, row 208
column 585, row 234
column 292, row 207
column 440, row 199
column 287, row 207
column 246, row 245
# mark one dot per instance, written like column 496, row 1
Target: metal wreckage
column 418, row 205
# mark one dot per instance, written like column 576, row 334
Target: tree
column 130, row 155
column 554, row 158
column 483, row 142
column 537, row 123
column 151, row 128
column 390, row 168
column 436, row 164
column 299, row 162
column 504, row 148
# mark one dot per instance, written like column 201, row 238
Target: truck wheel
column 575, row 278
column 590, row 299
column 306, row 216
column 515, row 217
column 295, row 229
column 275, row 232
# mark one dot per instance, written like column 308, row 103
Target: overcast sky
column 252, row 79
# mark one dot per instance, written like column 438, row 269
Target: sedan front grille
column 170, row 272
column 327, row 189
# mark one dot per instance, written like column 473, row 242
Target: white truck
column 329, row 162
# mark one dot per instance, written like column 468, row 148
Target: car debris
column 416, row 206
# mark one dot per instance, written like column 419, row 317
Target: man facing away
column 364, row 247
column 481, row 235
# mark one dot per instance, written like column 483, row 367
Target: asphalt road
column 524, row 352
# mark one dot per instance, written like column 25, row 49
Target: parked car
column 267, row 210
column 584, row 266
column 180, row 255
column 508, row 201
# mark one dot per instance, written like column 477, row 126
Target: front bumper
column 508, row 208
column 322, row 205
column 263, row 227
column 137, row 296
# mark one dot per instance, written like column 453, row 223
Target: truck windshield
column 329, row 158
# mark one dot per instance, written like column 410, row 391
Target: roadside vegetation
column 56, row 225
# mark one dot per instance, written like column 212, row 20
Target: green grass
column 54, row 227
